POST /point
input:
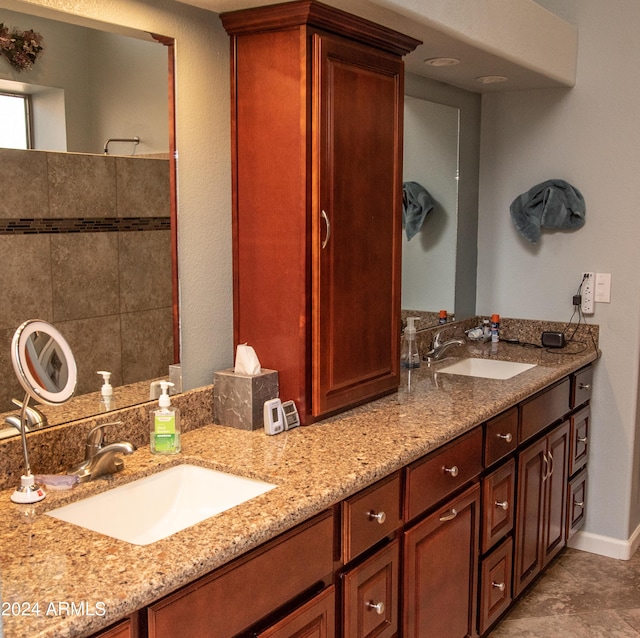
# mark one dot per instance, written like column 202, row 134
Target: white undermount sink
column 486, row 368
column 156, row 506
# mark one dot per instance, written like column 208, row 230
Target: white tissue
column 246, row 361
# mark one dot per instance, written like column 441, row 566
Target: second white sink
column 156, row 506
column 486, row 368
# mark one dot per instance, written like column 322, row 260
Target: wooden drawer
column 433, row 478
column 543, row 409
column 122, row 629
column 579, row 445
column 576, row 502
column 581, row 385
column 234, row 597
column 314, row 619
column 500, row 436
column 498, row 501
column 495, row 585
column 371, row 596
column 369, row 516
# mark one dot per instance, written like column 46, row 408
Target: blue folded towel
column 416, row 204
column 551, row 204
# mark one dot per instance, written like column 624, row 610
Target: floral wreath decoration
column 21, row 48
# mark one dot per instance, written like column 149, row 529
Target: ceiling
column 517, row 39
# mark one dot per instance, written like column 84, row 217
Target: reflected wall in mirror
column 441, row 153
column 87, row 239
column 431, row 133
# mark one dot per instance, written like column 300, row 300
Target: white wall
column 589, row 136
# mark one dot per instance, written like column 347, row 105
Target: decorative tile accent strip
column 41, row 225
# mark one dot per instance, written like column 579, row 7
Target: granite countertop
column 82, row 581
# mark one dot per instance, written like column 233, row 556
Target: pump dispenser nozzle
column 164, row 401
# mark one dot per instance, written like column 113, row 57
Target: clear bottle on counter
column 409, row 355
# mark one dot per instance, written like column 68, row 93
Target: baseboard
column 605, row 545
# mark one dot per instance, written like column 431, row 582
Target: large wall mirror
column 441, row 150
column 88, row 238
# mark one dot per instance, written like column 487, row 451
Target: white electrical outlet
column 588, row 293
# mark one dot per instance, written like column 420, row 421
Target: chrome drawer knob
column 579, row 503
column 504, row 505
column 377, row 607
column 380, row 517
column 584, row 386
column 499, row 586
column 582, row 439
column 453, row 471
column 508, row 437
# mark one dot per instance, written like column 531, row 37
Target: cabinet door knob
column 453, row 471
column 504, row 505
column 449, row 516
column 508, row 437
column 377, row 607
column 545, row 473
column 380, row 517
column 583, row 439
column 579, row 504
column 500, row 586
column 584, row 386
column 328, row 223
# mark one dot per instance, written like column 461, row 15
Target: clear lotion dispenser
column 409, row 356
column 107, row 402
column 165, row 424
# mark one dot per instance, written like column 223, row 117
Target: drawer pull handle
column 500, row 586
column 380, row 517
column 583, row 439
column 504, row 505
column 508, row 437
column 584, row 386
column 453, row 471
column 579, row 504
column 449, row 516
column 377, row 607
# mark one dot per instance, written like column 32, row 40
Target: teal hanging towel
column 554, row 204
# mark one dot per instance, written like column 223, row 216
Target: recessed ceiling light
column 442, row 61
column 492, row 79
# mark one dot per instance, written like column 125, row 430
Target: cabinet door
column 441, row 569
column 357, row 222
column 315, row 619
column 370, row 596
column 498, row 495
column 555, row 519
column 532, row 468
column 576, row 502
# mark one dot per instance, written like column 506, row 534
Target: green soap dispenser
column 165, row 424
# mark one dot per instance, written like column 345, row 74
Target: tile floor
column 581, row 595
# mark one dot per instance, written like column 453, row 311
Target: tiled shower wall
column 85, row 244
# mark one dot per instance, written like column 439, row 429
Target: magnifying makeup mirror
column 46, row 369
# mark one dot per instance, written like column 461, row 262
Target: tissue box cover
column 238, row 399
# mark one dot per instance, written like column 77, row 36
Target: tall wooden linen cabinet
column 317, row 99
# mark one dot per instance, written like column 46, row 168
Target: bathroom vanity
column 452, row 494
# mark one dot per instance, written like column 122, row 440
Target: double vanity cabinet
column 440, row 547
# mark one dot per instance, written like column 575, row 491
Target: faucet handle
column 95, row 439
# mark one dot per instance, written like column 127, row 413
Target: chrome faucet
column 438, row 346
column 35, row 418
column 100, row 459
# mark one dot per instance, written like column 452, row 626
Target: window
column 15, row 120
